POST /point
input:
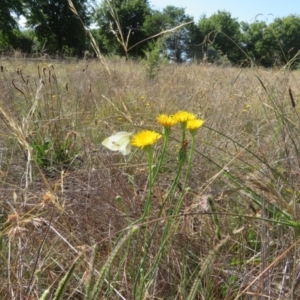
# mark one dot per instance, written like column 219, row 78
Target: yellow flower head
column 183, row 116
column 166, row 121
column 145, row 138
column 194, row 124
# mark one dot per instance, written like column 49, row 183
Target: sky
column 243, row 10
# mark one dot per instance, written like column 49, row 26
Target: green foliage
column 131, row 28
column 155, row 22
column 4, row 42
column 123, row 31
column 258, row 42
column 19, row 40
column 15, row 39
column 55, row 25
column 154, row 57
column 261, row 43
column 274, row 44
column 286, row 32
column 7, row 9
column 109, row 261
column 222, row 31
column 121, row 22
column 180, row 42
column 41, row 151
column 52, row 154
column 99, row 42
column 63, row 284
column 10, row 36
column 253, row 241
column 27, row 41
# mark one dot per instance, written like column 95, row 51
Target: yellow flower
column 194, row 124
column 183, row 116
column 166, row 121
column 145, row 138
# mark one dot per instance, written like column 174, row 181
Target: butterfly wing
column 119, row 142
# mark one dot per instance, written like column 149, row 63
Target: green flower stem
column 183, row 127
column 147, row 207
column 171, row 226
column 167, row 132
column 169, row 222
column 190, row 159
column 151, row 182
column 165, row 233
column 189, row 162
column 173, row 186
column 168, row 228
column 140, row 278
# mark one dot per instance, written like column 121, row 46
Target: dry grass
column 59, row 187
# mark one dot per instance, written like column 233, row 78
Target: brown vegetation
column 62, row 193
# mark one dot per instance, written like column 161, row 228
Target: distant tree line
column 130, row 28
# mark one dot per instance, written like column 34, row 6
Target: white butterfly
column 119, row 142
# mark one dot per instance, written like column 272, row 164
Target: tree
column 56, row 26
column 222, row 32
column 273, row 44
column 121, row 25
column 127, row 28
column 180, row 44
column 258, row 42
column 8, row 9
column 9, row 12
column 286, row 33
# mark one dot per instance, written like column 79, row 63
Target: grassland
column 72, row 213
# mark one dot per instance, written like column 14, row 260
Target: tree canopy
column 121, row 25
column 9, row 12
column 258, row 42
column 9, row 9
column 274, row 44
column 286, row 33
column 56, row 26
column 222, row 32
column 131, row 28
column 179, row 42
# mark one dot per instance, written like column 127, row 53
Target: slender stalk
column 189, row 162
column 162, row 156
